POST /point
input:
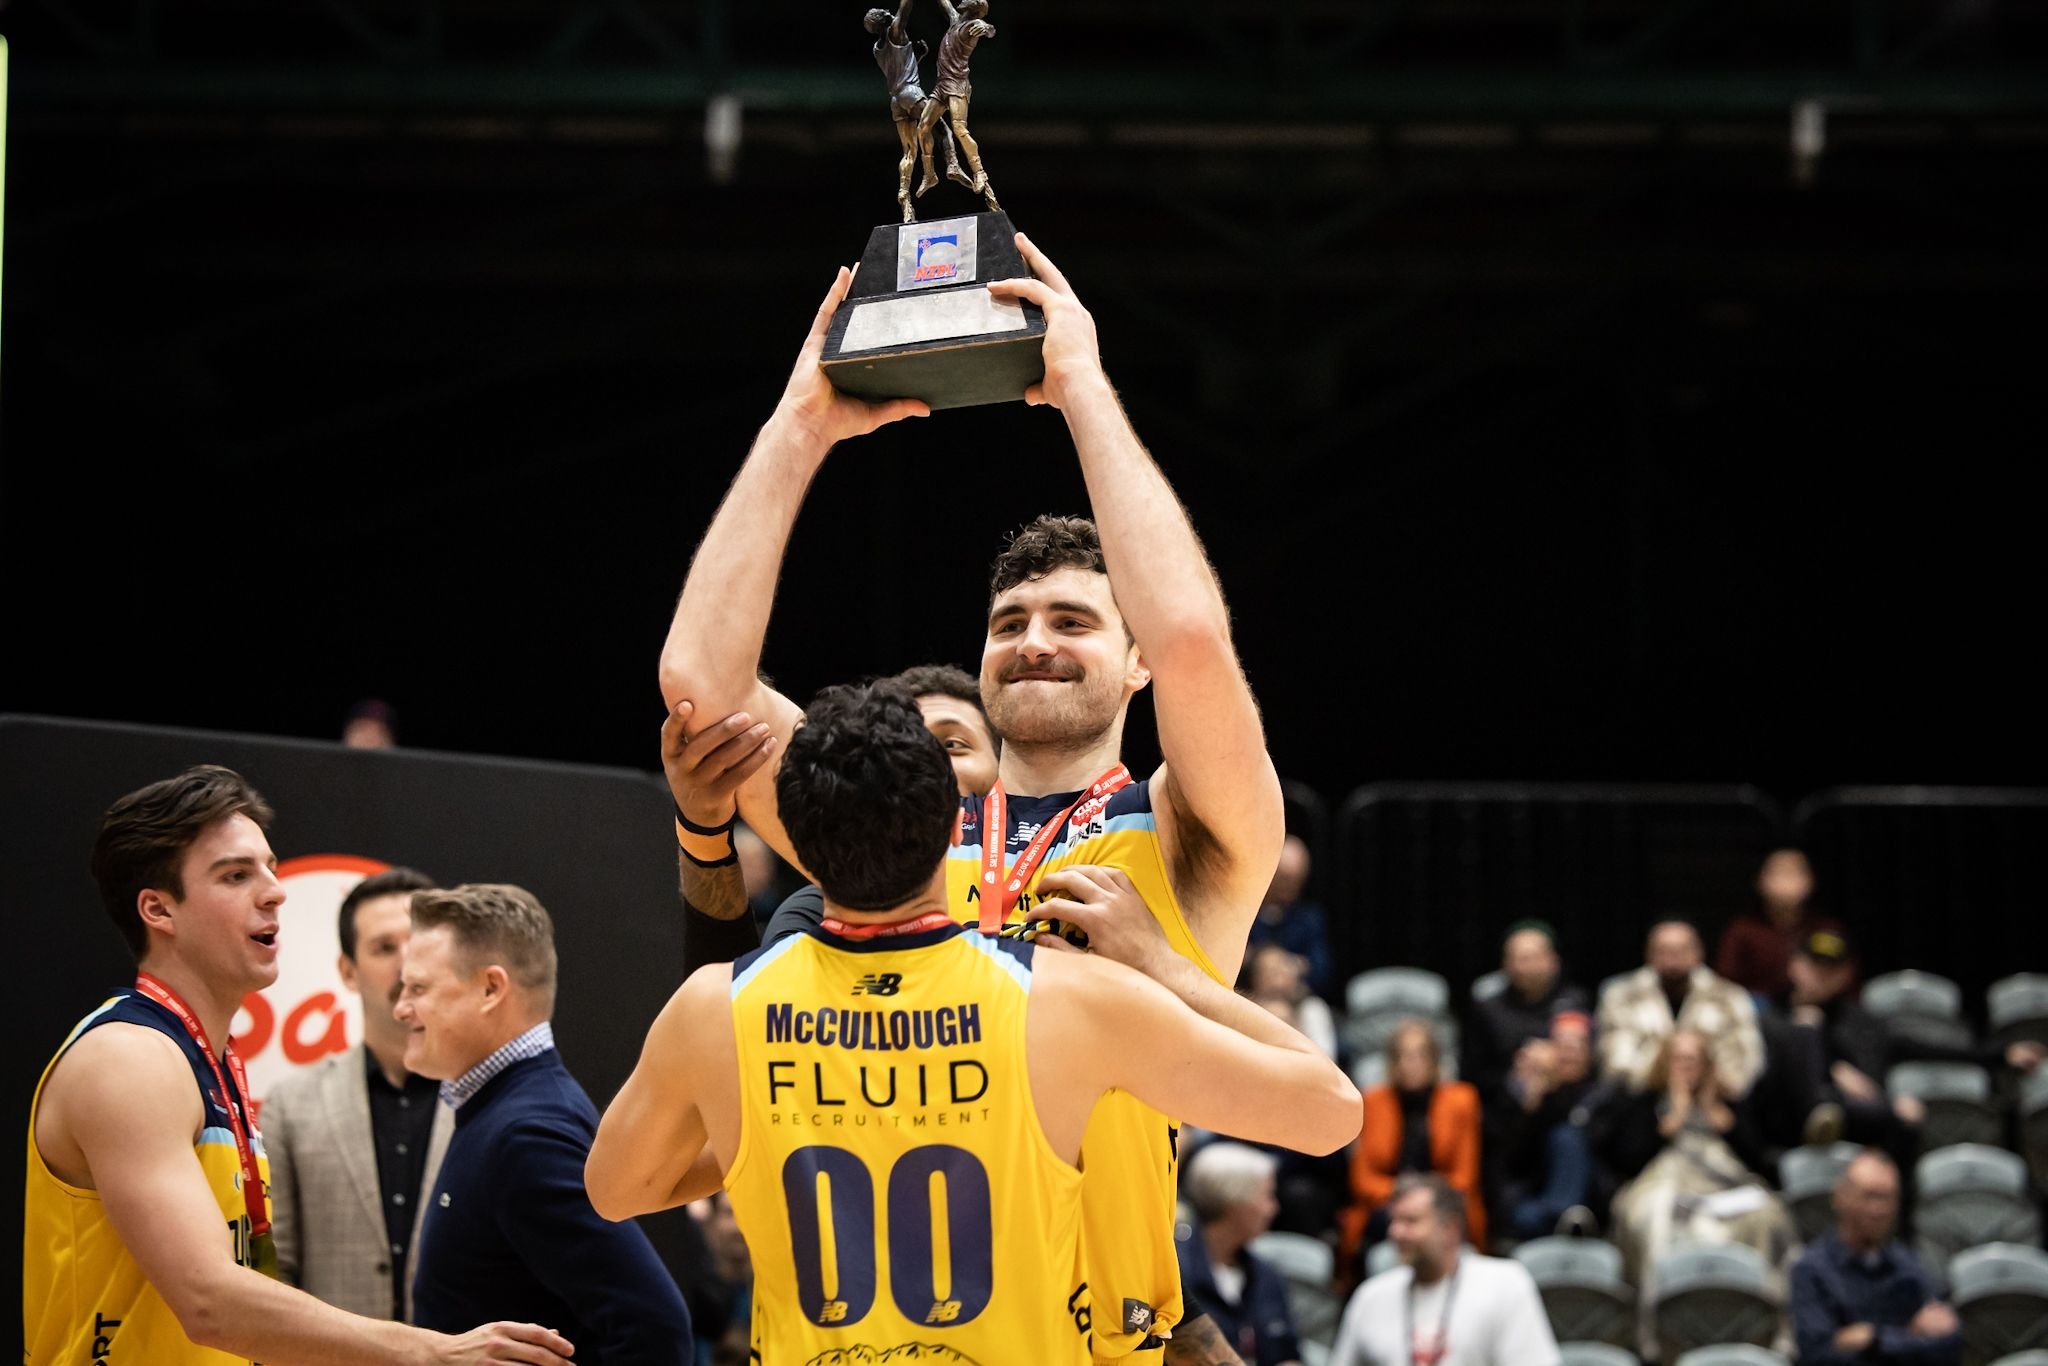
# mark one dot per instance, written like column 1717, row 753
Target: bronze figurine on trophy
column 918, row 321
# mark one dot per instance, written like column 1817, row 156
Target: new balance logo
column 878, row 984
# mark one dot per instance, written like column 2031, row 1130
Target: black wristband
column 697, row 829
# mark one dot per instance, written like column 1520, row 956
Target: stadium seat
column 1590, row 1354
column 1384, row 1257
column 1807, row 1177
column 1308, row 1264
column 1313, row 1353
column 2018, row 1007
column 1969, row 1194
column 1913, row 993
column 2000, row 1292
column 1583, row 1290
column 1731, row 1354
column 2034, row 1124
column 1958, row 1100
column 2016, row 1359
column 1369, row 1070
column 1707, row 1296
column 1376, row 1001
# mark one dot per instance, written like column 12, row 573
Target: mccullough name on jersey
column 821, row 1098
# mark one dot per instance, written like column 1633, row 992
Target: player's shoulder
column 126, row 1047
column 127, row 1069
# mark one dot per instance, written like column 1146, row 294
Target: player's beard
column 1071, row 715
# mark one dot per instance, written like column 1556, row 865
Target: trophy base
column 920, row 323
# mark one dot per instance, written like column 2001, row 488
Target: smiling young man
column 509, row 1222
column 147, row 1226
column 931, row 1085
column 1082, row 616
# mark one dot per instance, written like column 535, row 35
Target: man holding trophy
column 1081, row 620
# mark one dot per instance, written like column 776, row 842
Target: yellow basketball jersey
column 84, row 1301
column 1130, row 1154
column 897, row 1192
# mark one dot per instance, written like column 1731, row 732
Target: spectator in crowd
column 1756, row 949
column 1859, row 1295
column 370, row 724
column 1417, row 1122
column 1522, row 1010
column 1540, row 1130
column 355, row 1140
column 510, row 1222
column 727, row 1339
column 1445, row 1305
column 1827, row 1057
column 1675, row 990
column 1231, row 1188
column 1291, row 922
column 1689, row 1154
column 1272, row 971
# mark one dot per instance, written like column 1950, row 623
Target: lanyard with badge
column 999, row 895
column 1439, row 1348
column 262, row 1250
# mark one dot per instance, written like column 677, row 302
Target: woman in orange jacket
column 1417, row 1122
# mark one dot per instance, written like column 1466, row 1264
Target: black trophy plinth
column 919, row 321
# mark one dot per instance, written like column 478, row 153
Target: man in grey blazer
column 355, row 1142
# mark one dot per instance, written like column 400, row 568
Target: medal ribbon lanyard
column 236, row 1101
column 999, row 895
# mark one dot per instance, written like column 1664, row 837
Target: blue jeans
column 1567, row 1180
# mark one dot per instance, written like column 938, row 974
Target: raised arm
column 130, row 1108
column 712, row 656
column 1231, row 1068
column 1223, row 795
column 1269, row 1083
column 704, row 777
column 896, row 30
column 654, row 1149
column 952, row 15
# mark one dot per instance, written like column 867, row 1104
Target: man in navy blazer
column 509, row 1222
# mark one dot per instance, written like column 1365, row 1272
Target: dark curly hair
column 143, row 839
column 867, row 795
column 948, row 680
column 1044, row 546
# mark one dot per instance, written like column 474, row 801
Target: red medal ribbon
column 995, row 839
column 236, row 1101
column 917, row 924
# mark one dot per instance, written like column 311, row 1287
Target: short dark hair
column 495, row 922
column 390, row 882
column 867, row 795
column 1449, row 1204
column 947, row 680
column 144, row 836
column 1044, row 546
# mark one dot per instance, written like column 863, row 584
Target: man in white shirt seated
column 1445, row 1305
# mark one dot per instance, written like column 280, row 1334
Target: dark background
column 1545, row 416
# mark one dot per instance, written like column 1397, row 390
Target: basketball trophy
column 919, row 321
